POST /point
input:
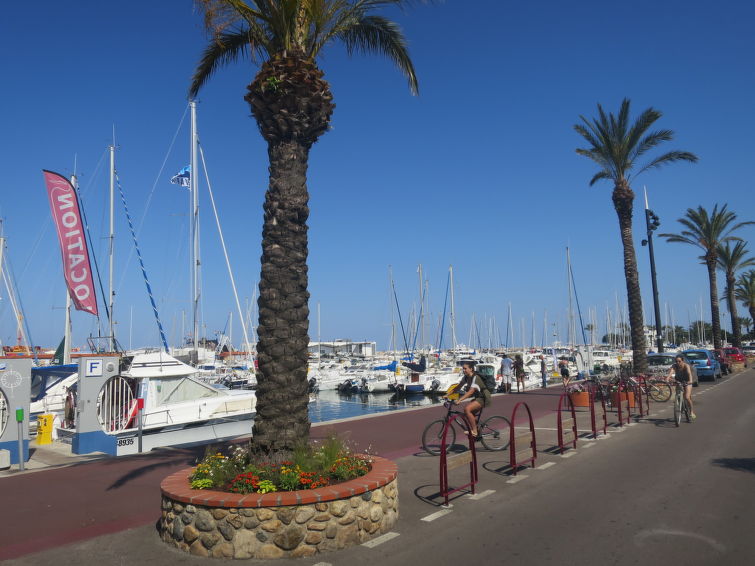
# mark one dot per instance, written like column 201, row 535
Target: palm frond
column 227, row 48
column 670, row 157
column 376, row 34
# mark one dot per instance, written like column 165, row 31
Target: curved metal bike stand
column 592, row 414
column 643, row 381
column 458, row 460
column 568, row 426
column 513, row 439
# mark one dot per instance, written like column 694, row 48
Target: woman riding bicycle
column 475, row 390
column 682, row 373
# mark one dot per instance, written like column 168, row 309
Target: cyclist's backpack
column 488, row 380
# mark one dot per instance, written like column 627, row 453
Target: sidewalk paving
column 72, row 504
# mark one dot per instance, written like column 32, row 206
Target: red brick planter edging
column 279, row 525
column 176, row 487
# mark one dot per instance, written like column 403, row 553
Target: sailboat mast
column 193, row 183
column 111, row 246
column 453, row 313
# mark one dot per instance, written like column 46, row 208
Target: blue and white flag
column 183, row 177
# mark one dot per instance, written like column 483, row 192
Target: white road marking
column 480, row 495
column 380, row 540
column 588, row 445
column 713, row 543
column 323, row 564
column 568, row 454
column 436, row 515
column 546, row 466
column 517, row 479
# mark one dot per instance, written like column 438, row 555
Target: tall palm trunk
column 623, row 201
column 292, row 105
column 736, row 330
column 282, row 418
column 710, row 261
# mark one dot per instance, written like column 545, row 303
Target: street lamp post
column 652, row 222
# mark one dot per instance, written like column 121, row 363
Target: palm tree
column 292, row 105
column 745, row 321
column 730, row 260
column 709, row 232
column 616, row 145
column 745, row 291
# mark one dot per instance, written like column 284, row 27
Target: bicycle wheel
column 678, row 408
column 432, row 437
column 659, row 391
column 495, row 433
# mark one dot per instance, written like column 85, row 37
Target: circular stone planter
column 283, row 524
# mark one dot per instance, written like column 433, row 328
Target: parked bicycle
column 493, row 432
column 681, row 405
column 658, row 389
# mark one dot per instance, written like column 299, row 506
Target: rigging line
column 141, row 263
column 93, row 255
column 579, row 311
column 225, row 251
column 419, row 320
column 10, row 283
column 400, row 320
column 152, row 194
column 443, row 320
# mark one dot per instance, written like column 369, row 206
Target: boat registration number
column 125, row 441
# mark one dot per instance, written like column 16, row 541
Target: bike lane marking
column 480, row 495
column 380, row 540
column 436, row 515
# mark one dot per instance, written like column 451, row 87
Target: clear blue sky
column 478, row 172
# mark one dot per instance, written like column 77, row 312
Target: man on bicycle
column 682, row 373
column 476, row 390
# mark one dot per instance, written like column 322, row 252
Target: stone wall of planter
column 279, row 525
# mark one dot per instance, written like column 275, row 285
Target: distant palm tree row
column 616, row 145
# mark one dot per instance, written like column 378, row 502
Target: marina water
column 332, row 405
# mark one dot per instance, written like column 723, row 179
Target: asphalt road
column 649, row 494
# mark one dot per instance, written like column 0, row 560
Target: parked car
column 735, row 355
column 748, row 351
column 724, row 361
column 705, row 363
column 659, row 365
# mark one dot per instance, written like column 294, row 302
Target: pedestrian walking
column 507, row 373
column 565, row 377
column 543, row 372
column 519, row 373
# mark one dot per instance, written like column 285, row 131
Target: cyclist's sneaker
column 694, row 416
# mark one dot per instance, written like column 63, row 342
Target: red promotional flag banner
column 67, row 218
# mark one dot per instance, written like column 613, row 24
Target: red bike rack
column 513, row 439
column 571, row 424
column 458, row 460
column 625, row 389
column 643, row 381
column 639, row 394
column 592, row 414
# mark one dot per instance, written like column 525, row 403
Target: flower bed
column 282, row 524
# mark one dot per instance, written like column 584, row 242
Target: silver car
column 660, row 364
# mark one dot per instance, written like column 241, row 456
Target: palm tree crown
column 745, row 291
column 262, row 29
column 616, row 145
column 709, row 232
